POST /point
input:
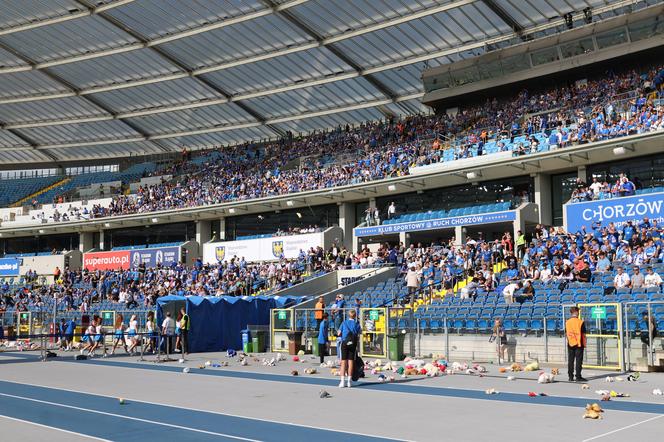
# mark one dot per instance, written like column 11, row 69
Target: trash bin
column 258, row 341
column 246, row 341
column 294, row 342
column 395, row 345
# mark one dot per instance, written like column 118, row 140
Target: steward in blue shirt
column 323, row 336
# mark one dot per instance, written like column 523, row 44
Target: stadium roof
column 82, row 79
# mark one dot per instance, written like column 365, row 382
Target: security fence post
column 447, row 340
column 546, row 341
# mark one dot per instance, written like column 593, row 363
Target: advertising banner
column 433, row 224
column 126, row 259
column 112, row 260
column 617, row 211
column 9, row 266
column 261, row 249
column 164, row 256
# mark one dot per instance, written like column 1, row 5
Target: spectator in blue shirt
column 603, row 263
column 350, row 334
column 323, row 336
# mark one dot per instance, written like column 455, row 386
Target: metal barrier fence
column 617, row 336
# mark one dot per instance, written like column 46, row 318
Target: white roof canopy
column 84, row 79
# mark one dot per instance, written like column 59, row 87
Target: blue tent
column 217, row 322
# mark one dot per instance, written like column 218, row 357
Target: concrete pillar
column 85, row 241
column 404, row 238
column 221, row 234
column 347, row 224
column 519, row 224
column 543, row 198
column 203, row 232
column 101, row 240
column 372, row 203
column 582, row 173
column 459, row 235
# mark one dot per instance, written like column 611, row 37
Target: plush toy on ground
column 545, row 378
column 310, row 370
column 533, row 366
column 593, row 411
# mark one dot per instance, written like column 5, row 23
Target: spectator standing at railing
column 391, row 211
column 413, row 281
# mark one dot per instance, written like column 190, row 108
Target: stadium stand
column 15, row 190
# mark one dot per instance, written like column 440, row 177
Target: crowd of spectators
column 79, row 290
column 601, row 189
column 587, row 111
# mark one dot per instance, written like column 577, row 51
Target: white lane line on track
column 623, row 428
column 164, row 424
column 220, row 413
column 2, row 416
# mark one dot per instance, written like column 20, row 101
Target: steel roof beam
column 506, row 17
column 72, row 89
column 177, row 36
column 63, row 18
column 316, row 82
column 382, row 88
column 217, row 129
column 172, row 60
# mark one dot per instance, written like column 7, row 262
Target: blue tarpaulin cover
column 217, row 322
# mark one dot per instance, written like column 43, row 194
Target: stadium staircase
column 28, row 198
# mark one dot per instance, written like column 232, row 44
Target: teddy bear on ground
column 593, row 411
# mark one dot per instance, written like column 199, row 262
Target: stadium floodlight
column 620, row 150
column 588, row 15
column 473, row 175
column 569, row 20
column 155, row 220
column 299, row 215
column 231, row 210
column 392, row 187
column 290, row 203
column 107, row 224
column 41, row 231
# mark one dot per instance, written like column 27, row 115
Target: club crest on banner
column 277, row 248
column 220, row 252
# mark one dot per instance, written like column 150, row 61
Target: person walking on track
column 185, row 325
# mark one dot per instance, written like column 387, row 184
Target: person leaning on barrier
column 575, row 329
column 651, row 330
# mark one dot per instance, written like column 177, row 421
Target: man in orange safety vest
column 575, row 330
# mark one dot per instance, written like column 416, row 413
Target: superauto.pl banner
column 131, row 259
column 106, row 260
